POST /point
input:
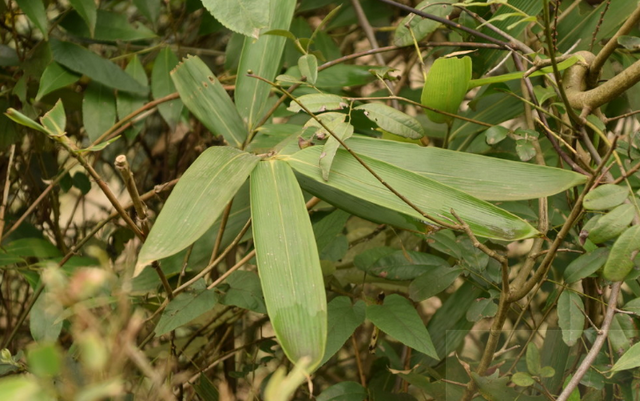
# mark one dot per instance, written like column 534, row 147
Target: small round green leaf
column 605, row 196
column 522, row 379
column 612, row 224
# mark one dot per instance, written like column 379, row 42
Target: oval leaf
column 392, row 120
column 570, row 317
column 630, row 359
column 605, row 196
column 196, row 202
column 98, row 109
column 55, row 77
column 288, row 262
column 585, row 265
column 612, row 224
column 433, row 282
column 343, row 319
column 399, row 319
column 620, row 261
column 414, row 26
column 308, row 65
column 432, row 197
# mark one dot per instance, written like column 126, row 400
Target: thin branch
column 7, row 185
column 359, row 159
column 610, row 47
column 449, row 23
column 586, row 363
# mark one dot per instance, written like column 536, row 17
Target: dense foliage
column 342, row 200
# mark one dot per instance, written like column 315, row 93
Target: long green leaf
column 203, row 94
column 162, row 85
column 484, row 177
column 196, row 202
column 430, row 196
column 288, row 262
column 398, row 318
column 83, row 61
column 262, row 58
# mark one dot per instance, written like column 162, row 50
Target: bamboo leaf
column 570, row 316
column 83, row 61
column 196, row 202
column 205, row 97
column 399, row 319
column 484, row 177
column 288, row 262
column 392, row 120
column 446, row 86
column 431, row 196
column 162, row 85
column 262, row 58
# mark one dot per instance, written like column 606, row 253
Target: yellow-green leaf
column 446, row 86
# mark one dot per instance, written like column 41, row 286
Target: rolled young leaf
column 288, row 262
column 446, row 86
column 432, row 197
column 196, row 202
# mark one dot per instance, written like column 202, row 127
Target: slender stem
column 7, row 184
column 610, row 47
column 586, row 363
column 449, row 23
column 359, row 159
column 238, row 265
column 122, row 165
